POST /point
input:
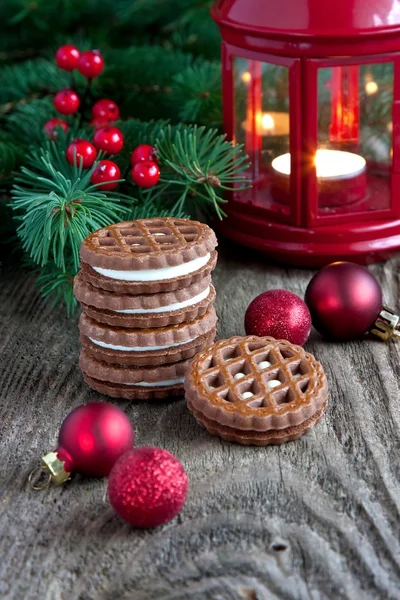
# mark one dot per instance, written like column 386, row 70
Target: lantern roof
column 310, row 19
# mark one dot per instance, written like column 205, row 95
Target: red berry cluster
column 145, row 171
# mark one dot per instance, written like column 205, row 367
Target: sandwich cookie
column 256, row 390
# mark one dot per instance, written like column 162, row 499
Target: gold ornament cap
column 51, row 470
column 387, row 324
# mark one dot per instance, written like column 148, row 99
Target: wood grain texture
column 316, row 518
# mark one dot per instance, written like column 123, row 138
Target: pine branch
column 197, row 90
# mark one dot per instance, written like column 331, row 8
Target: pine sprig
column 197, row 90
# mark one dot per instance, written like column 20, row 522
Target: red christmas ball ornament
column 105, row 109
column 67, row 57
column 280, row 314
column 81, row 150
column 92, row 438
column 110, row 139
column 52, row 125
column 66, row 102
column 106, row 173
column 148, row 487
column 145, row 174
column 91, row 64
column 143, row 152
column 344, row 299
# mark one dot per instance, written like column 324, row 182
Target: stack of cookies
column 148, row 305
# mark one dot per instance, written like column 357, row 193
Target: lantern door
column 262, row 111
column 351, row 168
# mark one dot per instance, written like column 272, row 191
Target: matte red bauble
column 92, row 438
column 91, row 64
column 53, row 125
column 79, row 151
column 66, row 102
column 148, row 487
column 145, row 174
column 110, row 139
column 143, row 152
column 105, row 175
column 280, row 314
column 67, row 57
column 105, row 109
column 344, row 300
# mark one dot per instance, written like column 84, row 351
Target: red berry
column 67, row 57
column 106, row 171
column 51, row 127
column 105, row 109
column 66, row 102
column 91, row 64
column 98, row 123
column 143, row 152
column 110, row 139
column 146, row 174
column 81, row 149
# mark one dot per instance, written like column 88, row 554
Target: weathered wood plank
column 316, row 518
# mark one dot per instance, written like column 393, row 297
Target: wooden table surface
column 315, row 518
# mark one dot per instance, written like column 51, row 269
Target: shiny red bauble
column 67, row 57
column 105, row 175
column 280, row 314
column 106, row 110
column 110, row 139
column 93, row 437
column 81, row 150
column 66, row 102
column 143, row 152
column 344, row 300
column 91, row 64
column 148, row 486
column 145, row 174
column 53, row 125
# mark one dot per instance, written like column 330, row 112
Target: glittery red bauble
column 105, row 174
column 67, row 57
column 279, row 314
column 79, row 151
column 66, row 102
column 109, row 139
column 91, row 64
column 93, row 437
column 145, row 174
column 52, row 125
column 148, row 487
column 143, row 152
column 105, row 109
column 344, row 300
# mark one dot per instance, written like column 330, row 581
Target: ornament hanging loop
column 39, row 479
column 387, row 325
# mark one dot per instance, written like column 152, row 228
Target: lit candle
column 330, row 164
column 270, row 123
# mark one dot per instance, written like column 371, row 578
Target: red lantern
column 312, row 89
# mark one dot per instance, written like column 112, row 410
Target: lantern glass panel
column 354, row 150
column 262, row 125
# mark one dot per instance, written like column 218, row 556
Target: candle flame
column 371, row 87
column 246, row 77
column 267, row 122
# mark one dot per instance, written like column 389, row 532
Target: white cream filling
column 156, row 274
column 158, row 383
column 161, row 309
column 138, row 348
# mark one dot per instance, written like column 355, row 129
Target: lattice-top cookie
column 256, row 383
column 148, row 244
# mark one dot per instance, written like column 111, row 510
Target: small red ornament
column 344, row 300
column 110, row 139
column 145, row 174
column 280, row 314
column 67, row 57
column 81, row 149
column 148, row 486
column 66, row 102
column 106, row 110
column 143, row 152
column 106, row 173
column 92, row 438
column 52, row 125
column 91, row 64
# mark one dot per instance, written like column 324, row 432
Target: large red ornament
column 143, row 152
column 145, row 174
column 148, row 487
column 52, row 125
column 91, row 64
column 67, row 57
column 279, row 314
column 106, row 110
column 66, row 102
column 106, row 173
column 110, row 139
column 344, row 300
column 81, row 150
column 92, row 438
